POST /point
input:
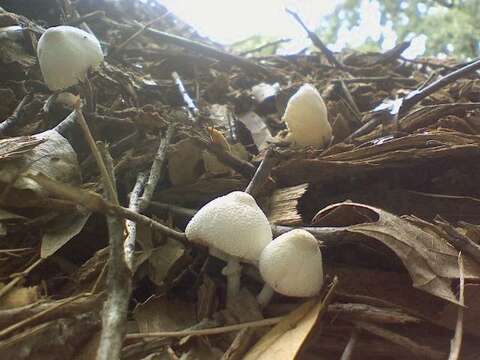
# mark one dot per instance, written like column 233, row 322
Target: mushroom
column 306, row 118
column 234, row 229
column 291, row 265
column 65, row 54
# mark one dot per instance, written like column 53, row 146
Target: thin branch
column 136, row 34
column 175, row 209
column 243, row 167
column 348, row 351
column 456, row 343
column 205, row 332
column 107, row 181
column 139, row 201
column 208, row 51
column 264, row 46
column 416, row 96
column 421, row 351
column 157, row 166
column 460, row 241
column 134, row 205
column 96, row 203
column 19, row 277
column 34, row 318
column 262, row 173
column 87, row 17
column 316, row 41
column 114, row 314
column 191, row 107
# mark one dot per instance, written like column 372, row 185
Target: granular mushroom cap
column 307, row 119
column 233, row 224
column 65, row 54
column 292, row 264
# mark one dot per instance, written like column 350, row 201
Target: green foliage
column 255, row 42
column 451, row 26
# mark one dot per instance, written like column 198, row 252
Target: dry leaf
column 162, row 259
column 284, row 340
column 430, row 260
column 184, row 162
column 67, row 226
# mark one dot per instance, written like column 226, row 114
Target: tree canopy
column 450, row 26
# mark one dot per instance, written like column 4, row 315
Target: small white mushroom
column 65, row 54
column 306, row 118
column 291, row 265
column 234, row 228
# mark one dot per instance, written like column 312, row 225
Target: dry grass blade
column 206, row 332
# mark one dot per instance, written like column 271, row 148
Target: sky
column 230, row 21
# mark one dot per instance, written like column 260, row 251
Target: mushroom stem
column 265, row 295
column 232, row 271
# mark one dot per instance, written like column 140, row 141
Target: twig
column 134, row 205
column 96, row 203
column 264, row 46
column 243, row 167
column 460, row 241
column 35, row 317
column 371, row 313
column 138, row 202
column 157, row 166
column 417, row 349
column 136, row 34
column 208, row 51
column 87, row 17
column 348, row 351
column 107, row 181
column 172, row 208
column 328, row 236
column 19, row 277
column 73, row 12
column 205, row 332
column 191, row 107
column 262, row 173
column 114, row 314
column 413, row 98
column 456, row 343
column 316, row 41
column 416, row 96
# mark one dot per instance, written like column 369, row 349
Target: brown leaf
column 430, row 260
column 285, row 340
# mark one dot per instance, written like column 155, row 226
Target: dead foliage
column 93, row 258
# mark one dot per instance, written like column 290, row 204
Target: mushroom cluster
column 306, row 118
column 65, row 54
column 235, row 229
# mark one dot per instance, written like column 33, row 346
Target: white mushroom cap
column 307, row 119
column 233, row 224
column 65, row 54
column 292, row 264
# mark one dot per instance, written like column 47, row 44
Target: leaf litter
column 393, row 199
